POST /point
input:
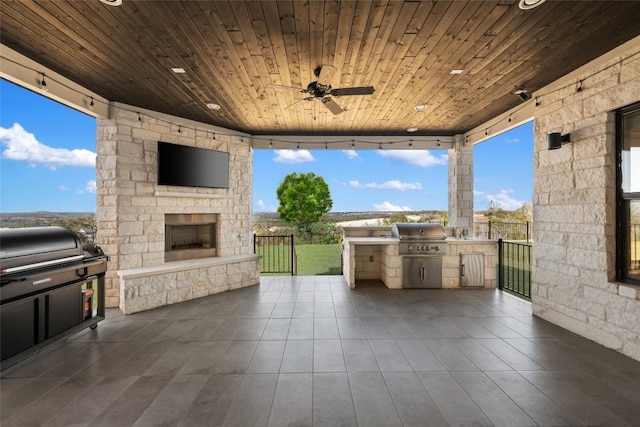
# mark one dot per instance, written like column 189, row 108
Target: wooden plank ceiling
column 232, row 51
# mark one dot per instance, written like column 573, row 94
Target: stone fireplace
column 190, row 236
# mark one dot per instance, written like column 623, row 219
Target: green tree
column 85, row 227
column 303, row 198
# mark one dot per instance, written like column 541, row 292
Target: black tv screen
column 192, row 167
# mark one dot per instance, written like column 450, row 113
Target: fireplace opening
column 189, row 236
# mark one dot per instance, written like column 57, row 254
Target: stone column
column 461, row 185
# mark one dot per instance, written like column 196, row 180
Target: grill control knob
column 436, row 248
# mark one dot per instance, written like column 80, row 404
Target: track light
column 557, row 140
column 43, row 84
column 579, row 89
column 139, row 117
column 270, row 144
column 91, row 104
column 537, row 102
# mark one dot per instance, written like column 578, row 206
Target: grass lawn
column 315, row 260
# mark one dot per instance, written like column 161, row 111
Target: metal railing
column 634, row 246
column 277, row 253
column 503, row 230
column 514, row 267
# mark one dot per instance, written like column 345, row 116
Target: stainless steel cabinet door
column 421, row 272
column 412, row 272
column 472, row 270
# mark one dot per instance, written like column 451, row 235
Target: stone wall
column 574, row 204
column 461, row 186
column 131, row 206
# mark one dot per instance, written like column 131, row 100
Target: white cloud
column 351, row 154
column 293, row 156
column 260, row 204
column 24, row 147
column 478, row 193
column 422, row 158
column 387, row 206
column 91, row 187
column 512, row 141
column 504, row 200
column 63, row 188
column 389, row 185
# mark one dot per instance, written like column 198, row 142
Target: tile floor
column 302, row 351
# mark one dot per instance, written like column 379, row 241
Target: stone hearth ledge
column 151, row 287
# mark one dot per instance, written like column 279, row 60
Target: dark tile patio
column 302, row 351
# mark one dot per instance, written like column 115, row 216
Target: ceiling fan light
column 529, row 4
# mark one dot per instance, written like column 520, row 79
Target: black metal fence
column 634, row 246
column 520, row 231
column 277, row 252
column 514, row 267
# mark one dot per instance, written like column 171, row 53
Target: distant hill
column 37, row 219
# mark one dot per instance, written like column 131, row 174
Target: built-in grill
column 420, row 238
column 50, row 285
column 422, row 246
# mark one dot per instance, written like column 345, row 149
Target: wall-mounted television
column 192, row 167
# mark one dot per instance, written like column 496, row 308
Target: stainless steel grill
column 420, row 238
column 422, row 246
column 50, row 285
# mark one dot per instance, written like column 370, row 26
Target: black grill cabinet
column 51, row 286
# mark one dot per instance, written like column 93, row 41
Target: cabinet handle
column 462, row 270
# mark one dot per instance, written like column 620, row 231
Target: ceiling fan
column 322, row 89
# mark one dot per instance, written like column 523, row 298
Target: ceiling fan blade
column 274, row 86
column 308, row 98
column 364, row 90
column 332, row 106
column 326, row 75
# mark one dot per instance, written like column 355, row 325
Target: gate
column 277, row 253
column 514, row 268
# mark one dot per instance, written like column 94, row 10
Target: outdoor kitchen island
column 375, row 253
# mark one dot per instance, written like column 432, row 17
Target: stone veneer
column 461, row 185
column 574, row 205
column 132, row 207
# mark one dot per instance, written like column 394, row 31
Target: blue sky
column 48, row 150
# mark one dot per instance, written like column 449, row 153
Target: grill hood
column 23, row 246
column 418, row 231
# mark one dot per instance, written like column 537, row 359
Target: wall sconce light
column 557, row 140
column 522, row 94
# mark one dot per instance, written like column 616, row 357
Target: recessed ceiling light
column 412, row 129
column 112, row 2
column 213, row 106
column 178, row 70
column 529, row 4
column 457, row 71
column 420, row 107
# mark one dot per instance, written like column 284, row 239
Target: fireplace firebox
column 189, row 236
